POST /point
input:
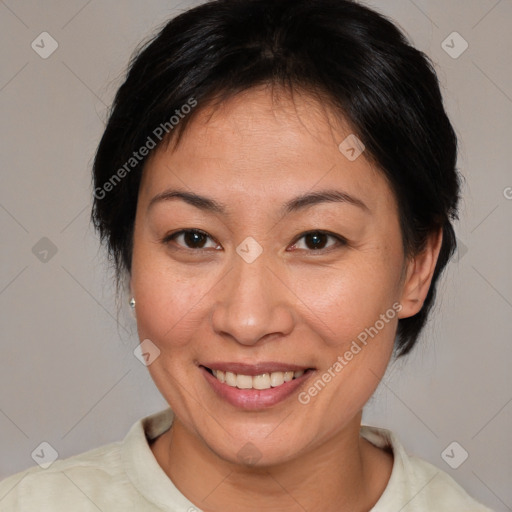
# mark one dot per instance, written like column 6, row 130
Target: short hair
column 351, row 57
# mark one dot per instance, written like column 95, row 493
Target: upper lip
column 254, row 369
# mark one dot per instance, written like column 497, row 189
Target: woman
column 276, row 185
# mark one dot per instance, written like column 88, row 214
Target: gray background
column 68, row 375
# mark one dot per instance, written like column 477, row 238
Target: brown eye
column 317, row 241
column 192, row 239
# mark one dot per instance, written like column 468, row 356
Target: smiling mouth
column 259, row 382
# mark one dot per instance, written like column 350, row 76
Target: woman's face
column 297, row 266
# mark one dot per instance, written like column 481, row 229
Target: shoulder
column 440, row 490
column 119, row 476
column 416, row 485
column 65, row 479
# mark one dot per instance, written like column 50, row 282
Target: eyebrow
column 323, row 196
column 201, row 202
column 298, row 203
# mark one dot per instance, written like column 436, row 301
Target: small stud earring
column 132, row 303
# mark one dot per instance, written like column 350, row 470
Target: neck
column 345, row 473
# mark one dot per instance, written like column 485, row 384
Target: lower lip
column 254, row 399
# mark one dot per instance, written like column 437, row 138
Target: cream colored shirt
column 125, row 476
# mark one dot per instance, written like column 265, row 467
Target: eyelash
column 340, row 241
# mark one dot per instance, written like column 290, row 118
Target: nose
column 253, row 303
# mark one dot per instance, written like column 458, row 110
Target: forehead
column 265, row 144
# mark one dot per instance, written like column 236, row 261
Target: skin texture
column 292, row 304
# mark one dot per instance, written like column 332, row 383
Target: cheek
column 346, row 300
column 170, row 301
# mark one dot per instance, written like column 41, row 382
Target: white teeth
column 243, row 381
column 263, row 381
column 276, row 379
column 231, row 379
column 288, row 376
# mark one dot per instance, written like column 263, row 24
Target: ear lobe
column 420, row 270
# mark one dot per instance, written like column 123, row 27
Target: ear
column 419, row 273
